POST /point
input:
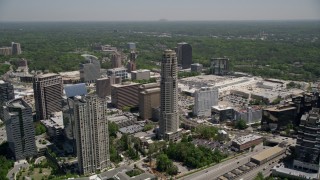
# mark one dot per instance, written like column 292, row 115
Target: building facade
column 142, row 74
column 184, row 54
column 103, row 87
column 6, row 94
column 5, row 51
column 47, row 94
column 149, row 97
column 16, row 48
column 20, row 130
column 118, row 72
column 132, row 66
column 220, row 66
column 196, row 67
column 169, row 118
column 125, row 95
column 91, row 133
column 308, row 142
column 116, row 60
column 204, row 99
column 90, row 71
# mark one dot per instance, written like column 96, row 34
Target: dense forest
column 277, row 49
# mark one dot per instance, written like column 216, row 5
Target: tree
column 259, row 176
column 164, row 164
column 147, row 127
column 113, row 129
column 241, row 124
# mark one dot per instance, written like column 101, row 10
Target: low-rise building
column 120, row 72
column 123, row 121
column 267, row 155
column 245, row 142
column 54, row 126
column 250, row 115
column 141, row 74
column 222, row 114
column 196, row 67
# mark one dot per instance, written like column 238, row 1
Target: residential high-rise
column 20, row 130
column 116, row 60
column 91, row 133
column 308, row 143
column 149, row 97
column 47, row 94
column 169, row 119
column 220, row 66
column 16, row 48
column 90, row 71
column 132, row 66
column 204, row 99
column 184, row 54
column 6, row 94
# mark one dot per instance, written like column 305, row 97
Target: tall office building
column 47, row 94
column 169, row 119
column 308, row 142
column 116, row 60
column 220, row 66
column 90, row 71
column 6, row 94
column 132, row 66
column 16, row 48
column 204, row 99
column 20, row 130
column 91, row 132
column 184, row 54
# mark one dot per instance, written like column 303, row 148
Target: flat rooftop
column 245, row 139
column 267, row 153
column 125, row 84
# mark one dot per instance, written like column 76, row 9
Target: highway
column 221, row 168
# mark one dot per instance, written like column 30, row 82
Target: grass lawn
column 35, row 174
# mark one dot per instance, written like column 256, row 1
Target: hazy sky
column 145, row 10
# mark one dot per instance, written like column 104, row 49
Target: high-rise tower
column 47, row 94
column 91, row 132
column 6, row 94
column 169, row 120
column 184, row 53
column 20, row 130
column 132, row 63
column 16, row 48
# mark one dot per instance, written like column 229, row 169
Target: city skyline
column 151, row 10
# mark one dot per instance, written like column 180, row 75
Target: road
column 221, row 168
column 17, row 166
column 39, row 159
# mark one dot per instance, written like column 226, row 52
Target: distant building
column 277, row 118
column 169, row 117
column 16, row 48
column 204, row 99
column 222, row 114
column 47, row 94
column 91, row 132
column 149, row 97
column 125, row 95
column 196, row 67
column 6, row 94
column 142, row 74
column 90, row 71
column 308, row 143
column 220, row 66
column 132, row 65
column 120, row 72
column 20, row 130
column 246, row 142
column 5, row 51
column 184, row 55
column 131, row 45
column 123, row 121
column 116, row 60
column 103, row 87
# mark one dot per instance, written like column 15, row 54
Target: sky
column 153, row 10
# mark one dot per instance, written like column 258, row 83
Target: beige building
column 91, row 133
column 149, row 97
column 169, row 118
column 116, row 60
column 140, row 74
column 125, row 95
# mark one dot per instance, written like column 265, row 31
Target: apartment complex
column 91, row 133
column 47, row 94
column 149, row 98
column 125, row 95
column 169, row 118
column 20, row 130
column 204, row 99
